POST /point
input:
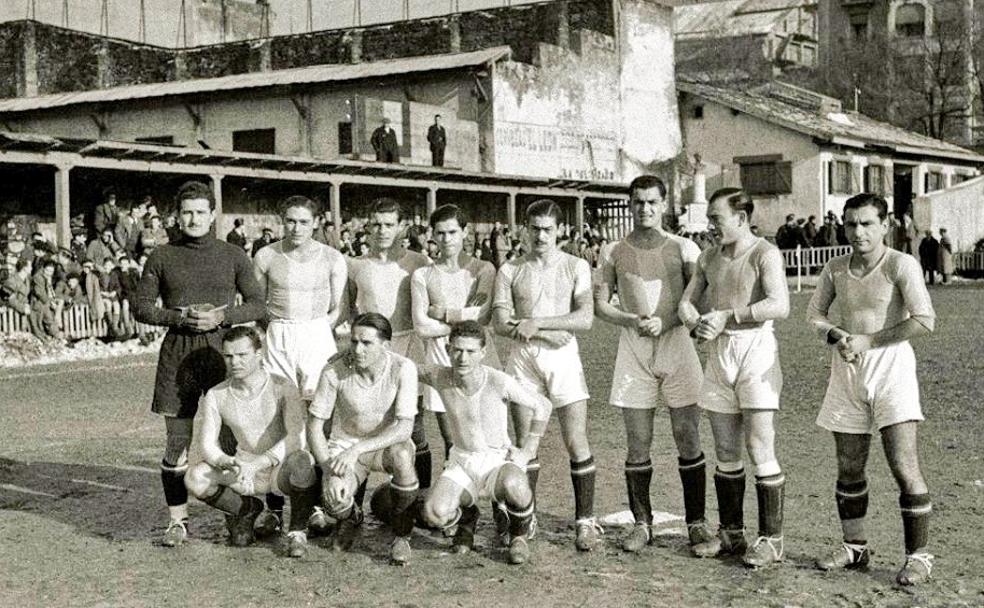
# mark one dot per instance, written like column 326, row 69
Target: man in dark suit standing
column 384, row 143
column 437, row 137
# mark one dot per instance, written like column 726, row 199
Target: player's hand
column 526, row 329
column 855, row 345
column 554, row 338
column 438, row 313
column 226, row 463
column 246, row 477
column 205, row 320
column 649, row 326
column 344, row 462
column 477, row 299
column 519, row 456
column 712, row 324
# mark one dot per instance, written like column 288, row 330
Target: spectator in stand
column 15, row 243
column 172, row 228
column 345, row 246
column 945, row 265
column 909, row 233
column 384, row 143
column 39, row 247
column 517, row 248
column 433, row 251
column 237, row 236
column 109, row 293
column 153, row 236
column 128, row 229
column 363, row 249
column 500, row 243
column 128, row 278
column 838, row 228
column 810, row 231
column 827, row 235
column 929, row 253
column 71, row 292
column 17, row 290
column 106, row 214
column 785, row 236
column 325, row 231
column 485, row 251
column 265, row 239
column 418, row 238
column 78, row 246
column 102, row 249
column 892, row 237
column 65, row 265
column 45, row 305
column 437, row 137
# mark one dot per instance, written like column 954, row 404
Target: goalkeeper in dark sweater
column 197, row 278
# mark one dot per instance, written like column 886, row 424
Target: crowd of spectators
column 99, row 272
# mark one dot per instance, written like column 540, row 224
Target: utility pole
column 64, row 13
column 143, row 22
column 310, row 16
column 32, row 10
column 104, row 18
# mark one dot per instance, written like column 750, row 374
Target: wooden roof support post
column 431, row 200
column 217, row 191
column 511, row 211
column 336, row 208
column 579, row 213
column 63, row 202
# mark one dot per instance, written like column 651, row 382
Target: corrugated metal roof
column 845, row 128
column 306, row 75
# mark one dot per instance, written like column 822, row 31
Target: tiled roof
column 844, row 128
column 731, row 17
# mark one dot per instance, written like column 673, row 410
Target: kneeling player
column 483, row 462
column 372, row 393
column 881, row 303
column 258, row 410
column 745, row 287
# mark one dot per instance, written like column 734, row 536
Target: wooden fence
column 77, row 323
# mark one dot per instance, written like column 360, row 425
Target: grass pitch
column 81, row 509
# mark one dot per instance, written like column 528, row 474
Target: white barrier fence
column 76, row 322
column 808, row 260
column 969, row 261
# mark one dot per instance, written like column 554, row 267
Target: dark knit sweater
column 197, row 271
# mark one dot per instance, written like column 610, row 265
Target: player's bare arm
column 774, row 305
column 429, row 321
column 338, row 279
column 541, row 409
column 692, row 295
column 208, row 425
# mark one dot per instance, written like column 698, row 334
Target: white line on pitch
column 75, row 370
column 108, row 486
column 13, row 488
column 131, row 467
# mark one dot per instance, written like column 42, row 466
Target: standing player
column 879, row 302
column 455, row 288
column 303, row 281
column 539, row 298
column 268, row 423
column 197, row 277
column 372, row 394
column 483, row 462
column 380, row 282
column 743, row 283
column 650, row 269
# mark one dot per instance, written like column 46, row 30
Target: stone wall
column 10, row 57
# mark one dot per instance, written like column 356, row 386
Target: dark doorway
column 902, row 190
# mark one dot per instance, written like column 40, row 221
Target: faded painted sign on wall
column 571, row 152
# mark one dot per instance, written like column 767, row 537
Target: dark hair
column 196, row 189
column 47, row 262
column 448, row 212
column 645, row 182
column 72, row 275
column 467, row 329
column 236, row 222
column 300, row 201
column 22, row 264
column 737, row 199
column 545, row 207
column 866, row 199
column 376, row 321
column 387, row 205
column 108, row 191
column 243, row 331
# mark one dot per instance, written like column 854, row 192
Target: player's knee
column 197, row 480
column 401, row 455
column 299, row 469
column 176, row 449
column 438, row 513
column 515, row 487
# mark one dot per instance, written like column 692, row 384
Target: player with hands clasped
column 268, row 423
column 483, row 462
column 650, row 269
column 370, row 394
column 743, row 282
column 539, row 299
column 867, row 306
column 197, row 278
column 455, row 288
